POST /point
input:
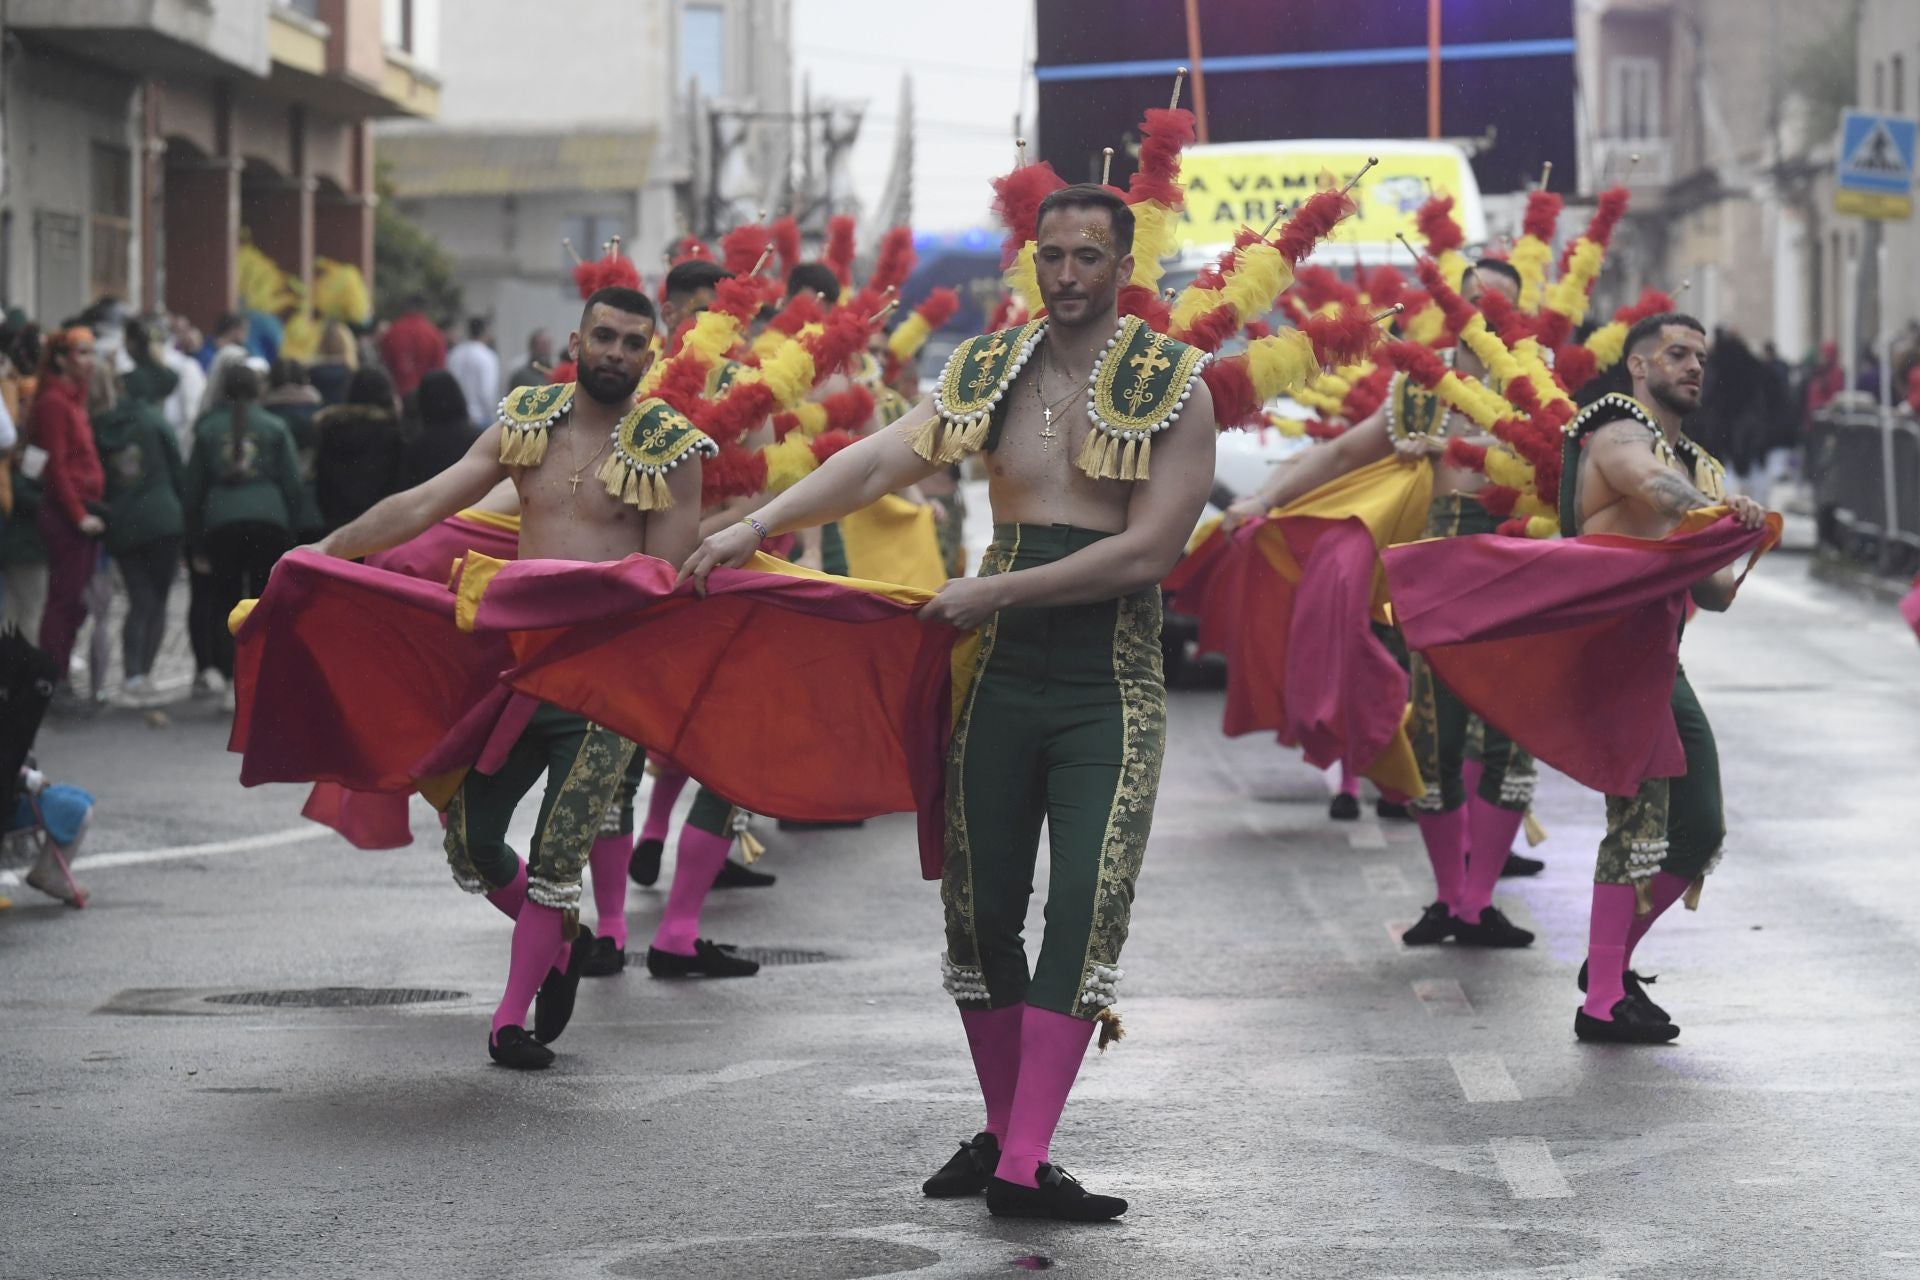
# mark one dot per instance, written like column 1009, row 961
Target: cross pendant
column 1047, row 435
column 574, row 480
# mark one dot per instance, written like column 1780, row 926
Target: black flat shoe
column 788, row 824
column 553, row 1006
column 1344, row 808
column 1388, row 809
column 1631, row 1024
column 1492, row 929
column 1518, row 864
column 1635, row 984
column 1059, row 1196
column 1436, row 925
column 644, row 867
column 968, row 1173
column 709, row 960
column 513, row 1047
column 735, row 876
column 603, row 959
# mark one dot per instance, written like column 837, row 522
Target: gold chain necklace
column 1047, row 433
column 574, row 479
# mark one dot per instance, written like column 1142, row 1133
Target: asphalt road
column 1298, row 1095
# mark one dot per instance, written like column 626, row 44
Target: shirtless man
column 599, row 442
column 1469, row 838
column 1066, row 718
column 1635, row 473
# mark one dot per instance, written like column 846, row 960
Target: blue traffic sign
column 1876, row 165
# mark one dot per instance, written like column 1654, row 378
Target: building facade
column 1731, row 107
column 595, row 137
column 142, row 141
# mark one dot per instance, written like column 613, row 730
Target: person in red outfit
column 412, row 347
column 70, row 523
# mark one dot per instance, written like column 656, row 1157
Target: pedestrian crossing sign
column 1875, row 177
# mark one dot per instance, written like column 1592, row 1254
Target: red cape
column 1569, row 647
column 800, row 697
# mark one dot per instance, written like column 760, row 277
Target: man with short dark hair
column 577, row 453
column 689, row 290
column 817, row 277
column 1630, row 470
column 476, row 367
column 1065, row 720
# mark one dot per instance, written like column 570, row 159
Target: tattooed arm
column 1623, row 454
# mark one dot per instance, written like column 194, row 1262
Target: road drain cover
column 782, row 955
column 336, row 997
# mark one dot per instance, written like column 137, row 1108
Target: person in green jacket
column 148, row 380
column 242, row 492
column 146, row 523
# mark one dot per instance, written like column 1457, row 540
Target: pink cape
column 1910, row 605
column 1569, row 647
column 378, row 820
column 806, row 698
column 1287, row 601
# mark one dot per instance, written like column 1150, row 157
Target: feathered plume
column 1016, row 203
column 1437, row 226
column 839, row 252
column 1156, row 196
column 610, row 271
column 786, row 242
column 1311, row 223
column 741, row 248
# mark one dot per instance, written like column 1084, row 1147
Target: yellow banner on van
column 1245, row 184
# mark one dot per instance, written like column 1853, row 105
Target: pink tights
column 608, row 862
column 1051, row 1047
column 994, row 1037
column 538, row 943
column 696, row 865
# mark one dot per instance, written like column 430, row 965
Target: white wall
column 576, row 62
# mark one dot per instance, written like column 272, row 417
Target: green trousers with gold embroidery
column 1065, row 724
column 584, row 764
column 1674, row 825
column 1442, row 730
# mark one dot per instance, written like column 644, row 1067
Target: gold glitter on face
column 1098, row 234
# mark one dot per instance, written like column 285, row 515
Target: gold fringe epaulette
column 1708, row 475
column 1139, row 386
column 649, row 443
column 526, row 413
column 970, row 390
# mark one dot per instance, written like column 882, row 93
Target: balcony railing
column 1615, row 163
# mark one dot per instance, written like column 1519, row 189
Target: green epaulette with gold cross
column 1138, row 387
column 648, row 443
column 970, row 390
column 525, row 415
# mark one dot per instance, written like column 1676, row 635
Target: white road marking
column 1366, row 835
column 244, row 844
column 1443, row 997
column 1528, row 1167
column 1484, row 1077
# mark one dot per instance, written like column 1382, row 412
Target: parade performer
column 1631, row 470
column 1065, row 721
column 1414, row 424
column 643, row 497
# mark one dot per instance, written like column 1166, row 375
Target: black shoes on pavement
column 1518, row 864
column 1492, row 929
column 553, row 1007
column 1389, row 810
column 513, row 1047
column 1633, row 1023
column 709, row 960
column 734, row 875
column 1636, row 985
column 1344, row 808
column 603, row 959
column 969, row 1172
column 1059, row 1196
column 1436, row 925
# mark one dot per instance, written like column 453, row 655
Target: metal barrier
column 1855, row 466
